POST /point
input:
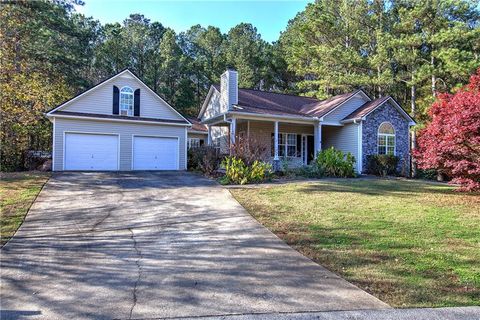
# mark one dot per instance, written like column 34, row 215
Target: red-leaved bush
column 450, row 143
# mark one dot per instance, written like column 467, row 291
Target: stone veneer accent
column 387, row 113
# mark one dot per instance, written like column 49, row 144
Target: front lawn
column 408, row 243
column 18, row 190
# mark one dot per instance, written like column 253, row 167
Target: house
column 295, row 128
column 197, row 134
column 119, row 124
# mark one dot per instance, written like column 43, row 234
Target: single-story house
column 295, row 128
column 119, row 124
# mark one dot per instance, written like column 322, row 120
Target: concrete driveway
column 154, row 245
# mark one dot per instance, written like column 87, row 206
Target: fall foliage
column 408, row 49
column 450, row 143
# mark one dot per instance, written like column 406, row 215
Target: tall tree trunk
column 413, row 112
column 434, row 77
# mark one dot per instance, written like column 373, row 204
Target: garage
column 155, row 153
column 94, row 152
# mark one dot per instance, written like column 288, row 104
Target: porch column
column 275, row 139
column 209, row 137
column 317, row 138
column 233, row 128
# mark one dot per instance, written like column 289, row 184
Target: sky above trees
column 269, row 17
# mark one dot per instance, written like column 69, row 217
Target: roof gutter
column 272, row 116
column 189, row 125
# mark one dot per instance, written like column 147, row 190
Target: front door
column 310, row 149
column 307, row 149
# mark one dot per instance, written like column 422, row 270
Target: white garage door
column 155, row 153
column 91, row 151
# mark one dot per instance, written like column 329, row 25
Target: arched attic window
column 386, row 139
column 126, row 101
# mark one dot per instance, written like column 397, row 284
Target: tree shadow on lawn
column 390, row 273
column 379, row 187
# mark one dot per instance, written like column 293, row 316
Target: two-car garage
column 118, row 125
column 101, row 152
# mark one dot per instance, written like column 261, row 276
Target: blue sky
column 270, row 17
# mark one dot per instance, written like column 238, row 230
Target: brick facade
column 387, row 113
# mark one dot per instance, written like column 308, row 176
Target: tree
column 111, row 55
column 44, row 47
column 326, row 46
column 244, row 52
column 450, row 142
column 204, row 57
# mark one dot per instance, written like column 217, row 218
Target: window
column 282, row 143
column 194, row 142
column 291, row 145
column 126, row 101
column 386, row 139
column 287, row 145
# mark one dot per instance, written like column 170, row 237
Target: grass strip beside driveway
column 18, row 190
column 408, row 243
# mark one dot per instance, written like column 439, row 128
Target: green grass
column 18, row 190
column 408, row 243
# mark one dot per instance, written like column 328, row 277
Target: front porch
column 294, row 143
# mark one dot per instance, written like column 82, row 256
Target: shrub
column 205, row 158
column 382, row 164
column 427, row 174
column 334, row 163
column 237, row 172
column 249, row 150
column 310, row 171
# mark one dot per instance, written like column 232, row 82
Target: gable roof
column 265, row 102
column 126, row 70
column 368, row 107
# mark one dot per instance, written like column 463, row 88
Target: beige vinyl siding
column 344, row 138
column 345, row 109
column 125, row 130
column 220, row 138
column 100, row 99
column 214, row 106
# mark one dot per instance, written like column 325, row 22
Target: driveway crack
column 109, row 212
column 139, row 272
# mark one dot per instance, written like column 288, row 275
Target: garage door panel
column 91, row 151
column 155, row 153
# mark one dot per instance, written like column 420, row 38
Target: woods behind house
column 409, row 49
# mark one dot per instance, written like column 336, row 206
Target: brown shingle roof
column 264, row 102
column 366, row 108
column 196, row 125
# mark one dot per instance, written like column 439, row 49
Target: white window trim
column 285, row 144
column 129, row 111
column 386, row 140
column 190, row 140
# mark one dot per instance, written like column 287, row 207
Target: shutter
column 299, row 145
column 116, row 95
column 136, row 103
